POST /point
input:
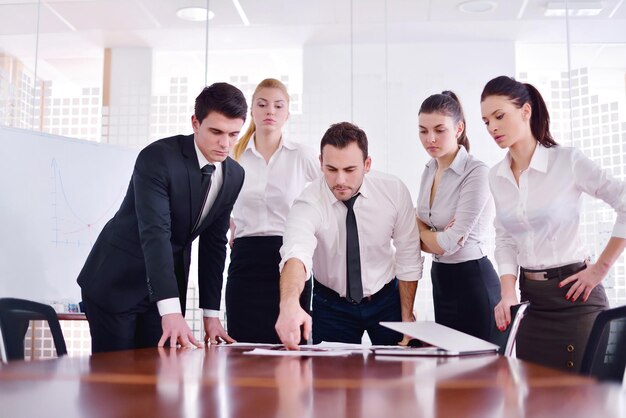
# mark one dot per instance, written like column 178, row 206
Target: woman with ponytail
column 454, row 210
column 537, row 190
column 277, row 170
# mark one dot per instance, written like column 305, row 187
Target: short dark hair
column 222, row 98
column 342, row 134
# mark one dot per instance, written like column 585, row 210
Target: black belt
column 559, row 273
column 329, row 293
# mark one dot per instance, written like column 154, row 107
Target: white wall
column 386, row 97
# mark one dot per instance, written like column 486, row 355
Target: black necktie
column 354, row 288
column 205, row 186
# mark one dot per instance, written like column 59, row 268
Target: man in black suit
column 134, row 282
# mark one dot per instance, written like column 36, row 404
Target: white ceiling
column 72, row 30
column 106, row 23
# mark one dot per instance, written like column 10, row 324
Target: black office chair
column 605, row 354
column 15, row 315
column 518, row 312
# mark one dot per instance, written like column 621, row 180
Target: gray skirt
column 555, row 331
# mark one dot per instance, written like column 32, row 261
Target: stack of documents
column 443, row 341
column 323, row 349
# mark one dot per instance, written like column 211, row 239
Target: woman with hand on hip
column 454, row 211
column 277, row 170
column 537, row 189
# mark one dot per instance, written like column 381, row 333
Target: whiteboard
column 56, row 195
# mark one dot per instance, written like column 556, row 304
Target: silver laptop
column 445, row 341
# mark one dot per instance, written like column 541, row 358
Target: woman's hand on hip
column 583, row 282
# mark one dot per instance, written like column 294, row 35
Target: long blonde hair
column 242, row 144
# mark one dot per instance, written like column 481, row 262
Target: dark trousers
column 253, row 290
column 465, row 295
column 139, row 327
column 337, row 320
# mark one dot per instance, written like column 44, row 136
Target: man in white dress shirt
column 364, row 273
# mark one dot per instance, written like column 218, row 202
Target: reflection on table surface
column 221, row 381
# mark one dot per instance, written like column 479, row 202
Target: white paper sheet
column 303, row 352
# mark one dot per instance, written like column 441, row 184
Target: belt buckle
column 366, row 299
column 350, row 300
column 539, row 276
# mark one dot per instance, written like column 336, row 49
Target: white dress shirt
column 537, row 221
column 316, row 234
column 172, row 305
column 269, row 189
column 463, row 195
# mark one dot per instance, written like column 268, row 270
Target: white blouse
column 462, row 195
column 269, row 189
column 537, row 221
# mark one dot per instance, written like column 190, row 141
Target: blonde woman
column 277, row 170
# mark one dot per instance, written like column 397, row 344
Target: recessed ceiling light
column 573, row 8
column 477, row 6
column 194, row 14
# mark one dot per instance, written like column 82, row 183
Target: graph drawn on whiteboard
column 57, row 195
column 70, row 226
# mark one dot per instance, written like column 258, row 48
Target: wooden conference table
column 221, row 381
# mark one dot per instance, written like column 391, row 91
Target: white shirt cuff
column 168, row 306
column 444, row 241
column 619, row 230
column 411, row 274
column 210, row 313
column 511, row 269
column 300, row 257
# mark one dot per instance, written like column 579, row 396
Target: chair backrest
column 518, row 312
column 605, row 354
column 15, row 315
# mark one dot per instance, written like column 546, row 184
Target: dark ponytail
column 540, row 118
column 448, row 104
column 519, row 94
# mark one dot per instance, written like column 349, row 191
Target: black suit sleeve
column 151, row 183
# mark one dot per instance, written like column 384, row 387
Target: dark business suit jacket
column 145, row 249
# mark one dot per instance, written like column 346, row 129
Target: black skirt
column 465, row 295
column 554, row 332
column 253, row 290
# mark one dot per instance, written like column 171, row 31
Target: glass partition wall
column 127, row 72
